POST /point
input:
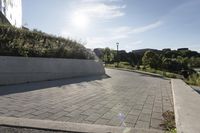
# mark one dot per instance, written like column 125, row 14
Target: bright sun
column 80, row 21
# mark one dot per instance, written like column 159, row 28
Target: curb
column 186, row 107
column 69, row 127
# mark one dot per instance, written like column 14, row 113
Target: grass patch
column 163, row 73
column 193, row 80
column 126, row 65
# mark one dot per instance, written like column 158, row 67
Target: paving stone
column 37, row 112
column 57, row 115
column 125, row 99
column 146, row 111
column 155, row 123
column 74, row 113
column 69, row 109
column 125, row 124
column 131, row 119
column 87, row 122
column 109, row 115
column 157, row 109
column 85, row 107
column 148, row 106
column 138, row 107
column 93, row 117
column 43, row 115
column 28, row 116
column 98, row 106
column 102, row 121
column 156, row 115
column 78, row 119
column 88, row 112
column 116, row 121
column 145, row 117
column 63, row 118
column 3, row 111
column 142, row 124
column 135, row 112
column 56, row 110
column 102, row 110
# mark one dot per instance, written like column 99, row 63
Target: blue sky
column 135, row 24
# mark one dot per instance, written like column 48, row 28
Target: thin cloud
column 101, row 10
column 102, row 0
column 147, row 27
column 137, row 42
column 126, row 30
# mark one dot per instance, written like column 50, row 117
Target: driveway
column 119, row 99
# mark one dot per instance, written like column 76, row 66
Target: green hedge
column 21, row 42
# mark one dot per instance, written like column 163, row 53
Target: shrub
column 173, row 65
column 151, row 59
column 169, row 121
column 21, row 42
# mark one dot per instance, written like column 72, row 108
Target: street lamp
column 117, row 54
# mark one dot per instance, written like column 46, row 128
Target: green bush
column 151, row 59
column 21, row 42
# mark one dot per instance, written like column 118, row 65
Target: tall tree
column 107, row 55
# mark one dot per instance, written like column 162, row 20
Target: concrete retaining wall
column 15, row 70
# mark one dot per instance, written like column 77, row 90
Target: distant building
column 11, row 12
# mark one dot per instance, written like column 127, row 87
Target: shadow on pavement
column 25, row 87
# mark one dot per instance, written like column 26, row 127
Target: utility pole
column 117, row 54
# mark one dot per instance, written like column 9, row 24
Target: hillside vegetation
column 178, row 63
column 21, row 42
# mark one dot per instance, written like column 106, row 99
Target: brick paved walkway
column 125, row 99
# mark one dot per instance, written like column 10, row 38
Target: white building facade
column 12, row 10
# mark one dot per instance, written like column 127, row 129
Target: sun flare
column 80, row 20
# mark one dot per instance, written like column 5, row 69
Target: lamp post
column 117, row 54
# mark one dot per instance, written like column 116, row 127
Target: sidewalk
column 186, row 106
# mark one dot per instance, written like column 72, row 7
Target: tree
column 170, row 65
column 132, row 59
column 113, row 55
column 175, row 65
column 123, row 56
column 151, row 59
column 107, row 55
column 171, row 54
